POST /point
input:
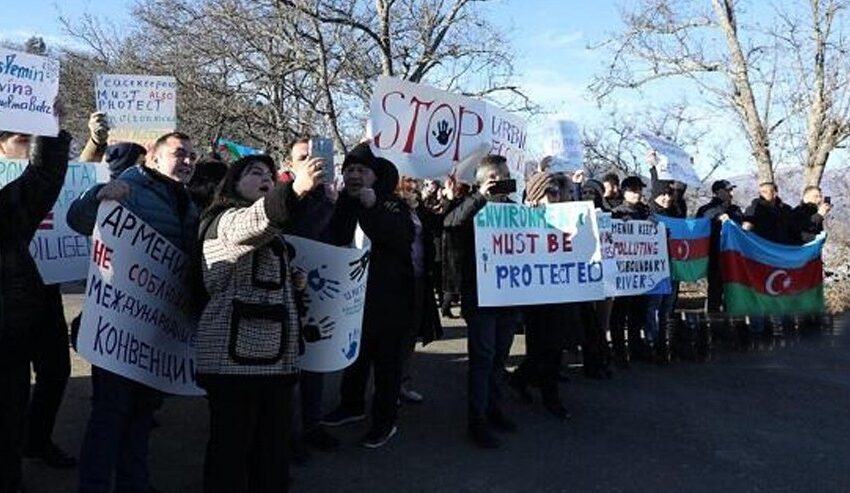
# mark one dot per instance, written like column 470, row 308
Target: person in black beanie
column 119, row 157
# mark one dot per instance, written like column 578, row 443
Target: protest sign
column 139, row 108
column 135, row 314
column 60, row 253
column 335, row 295
column 425, row 131
column 562, row 141
column 537, row 255
column 634, row 257
column 673, row 162
column 28, row 88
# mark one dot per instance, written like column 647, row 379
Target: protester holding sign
column 546, row 326
column 490, row 329
column 659, row 307
column 24, row 203
column 116, row 439
column 719, row 209
column 247, row 340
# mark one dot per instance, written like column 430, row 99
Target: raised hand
column 443, row 132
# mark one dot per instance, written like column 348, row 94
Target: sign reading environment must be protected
column 537, row 255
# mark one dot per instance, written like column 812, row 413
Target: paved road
column 770, row 421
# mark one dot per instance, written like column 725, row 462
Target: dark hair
column 162, row 139
column 301, row 139
column 489, row 161
column 226, row 196
column 208, row 174
column 612, row 179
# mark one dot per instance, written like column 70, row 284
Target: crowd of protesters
column 263, row 411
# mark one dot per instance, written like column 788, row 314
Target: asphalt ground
column 765, row 421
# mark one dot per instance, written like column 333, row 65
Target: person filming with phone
column 808, row 217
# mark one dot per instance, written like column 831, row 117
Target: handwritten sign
column 135, row 320
column 673, row 162
column 28, row 88
column 139, row 108
column 60, row 253
column 425, row 131
column 634, row 257
column 335, row 296
column 537, row 255
column 562, row 141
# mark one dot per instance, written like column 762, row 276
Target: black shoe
column 556, row 408
column 342, row 416
column 52, row 456
column 319, row 438
column 520, row 386
column 378, row 438
column 502, row 423
column 482, row 435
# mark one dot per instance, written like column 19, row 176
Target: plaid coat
column 250, row 325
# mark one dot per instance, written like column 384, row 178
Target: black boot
column 480, row 433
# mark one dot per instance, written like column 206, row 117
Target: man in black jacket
column 719, row 210
column 769, row 217
column 25, row 202
column 807, row 218
column 490, row 330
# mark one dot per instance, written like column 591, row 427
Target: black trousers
column 51, row 362
column 546, row 329
column 714, row 299
column 249, row 435
column 14, row 389
column 628, row 315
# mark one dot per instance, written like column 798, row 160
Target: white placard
column 673, row 162
column 60, row 253
column 139, row 108
column 29, row 85
column 537, row 255
column 135, row 316
column 562, row 141
column 634, row 257
column 335, row 297
column 425, row 131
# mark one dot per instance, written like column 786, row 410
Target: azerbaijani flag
column 688, row 244
column 231, row 151
column 761, row 277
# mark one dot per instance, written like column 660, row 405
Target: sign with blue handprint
column 331, row 322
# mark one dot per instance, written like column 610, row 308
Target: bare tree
column 743, row 69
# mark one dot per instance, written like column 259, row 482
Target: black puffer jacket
column 24, row 204
column 459, row 224
column 631, row 211
column 806, row 223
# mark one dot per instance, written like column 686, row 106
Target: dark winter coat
column 629, row 211
column 713, row 210
column 771, row 221
column 459, row 224
column 806, row 222
column 24, row 203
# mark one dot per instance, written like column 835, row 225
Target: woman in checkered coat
column 247, row 339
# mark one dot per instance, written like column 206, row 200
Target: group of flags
column 760, row 277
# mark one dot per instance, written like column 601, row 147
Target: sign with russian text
column 61, row 254
column 135, row 314
column 673, row 162
column 334, row 297
column 425, row 131
column 562, row 141
column 537, row 255
column 635, row 258
column 29, row 85
column 139, row 108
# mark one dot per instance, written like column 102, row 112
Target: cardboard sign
column 139, row 108
column 335, row 297
column 60, row 253
column 537, row 255
column 28, row 88
column 562, row 141
column 135, row 320
column 425, row 131
column 635, row 257
column 673, row 162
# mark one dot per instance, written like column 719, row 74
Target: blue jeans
column 658, row 310
column 490, row 333
column 116, row 439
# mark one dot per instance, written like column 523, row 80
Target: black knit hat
column 632, row 183
column 361, row 154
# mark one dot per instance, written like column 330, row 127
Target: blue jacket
column 162, row 203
